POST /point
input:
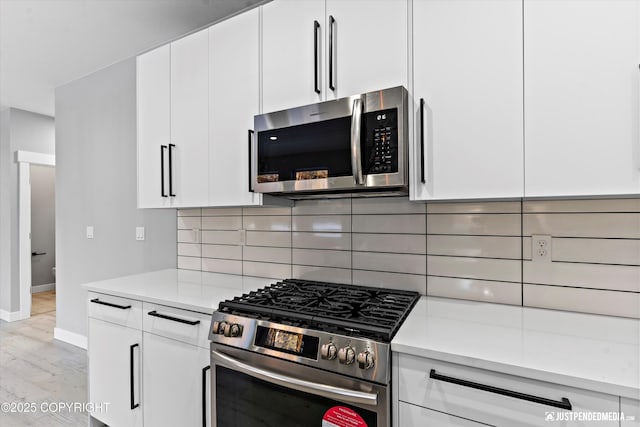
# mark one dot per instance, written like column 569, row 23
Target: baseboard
column 10, row 316
column 70, row 337
column 43, row 288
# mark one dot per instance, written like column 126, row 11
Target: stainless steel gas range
column 303, row 353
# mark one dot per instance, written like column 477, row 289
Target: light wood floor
column 43, row 302
column 35, row 368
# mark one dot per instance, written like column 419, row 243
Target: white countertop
column 585, row 351
column 190, row 290
column 581, row 350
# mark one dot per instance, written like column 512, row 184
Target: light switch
column 139, row 233
column 89, row 231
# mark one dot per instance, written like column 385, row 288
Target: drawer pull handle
column 110, row 304
column 175, row 319
column 562, row 404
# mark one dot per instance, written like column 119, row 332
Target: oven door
column 250, row 389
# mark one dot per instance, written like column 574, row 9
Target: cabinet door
column 581, row 97
column 468, row 69
column 154, row 118
column 114, row 360
column 234, row 74
column 190, row 120
column 174, row 380
column 417, row 416
column 288, row 53
column 631, row 410
column 370, row 46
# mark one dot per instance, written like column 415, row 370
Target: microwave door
column 310, row 156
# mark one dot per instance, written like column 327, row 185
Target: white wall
column 5, row 227
column 96, row 185
column 21, row 130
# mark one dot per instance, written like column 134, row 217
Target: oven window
column 310, row 151
column 242, row 400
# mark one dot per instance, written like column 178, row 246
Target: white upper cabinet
column 292, row 42
column 173, row 127
column 154, row 126
column 467, row 67
column 234, row 98
column 189, row 149
column 316, row 50
column 366, row 46
column 581, row 97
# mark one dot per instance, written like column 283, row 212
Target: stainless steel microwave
column 357, row 144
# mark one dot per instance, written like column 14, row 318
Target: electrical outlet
column 541, row 248
column 89, row 231
column 139, row 233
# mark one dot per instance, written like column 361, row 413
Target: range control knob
column 346, row 355
column 366, row 360
column 328, row 351
column 218, row 327
column 232, row 330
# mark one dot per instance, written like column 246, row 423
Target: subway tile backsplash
column 480, row 251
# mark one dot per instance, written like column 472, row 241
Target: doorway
column 37, row 215
column 43, row 239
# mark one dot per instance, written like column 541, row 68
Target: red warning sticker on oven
column 339, row 416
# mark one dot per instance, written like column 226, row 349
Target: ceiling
column 47, row 43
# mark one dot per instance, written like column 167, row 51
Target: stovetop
column 359, row 311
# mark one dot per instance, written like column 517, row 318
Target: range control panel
column 380, row 144
column 353, row 356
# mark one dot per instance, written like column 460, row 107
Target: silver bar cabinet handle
column 356, row 157
column 331, row 392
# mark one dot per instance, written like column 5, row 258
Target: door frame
column 25, row 159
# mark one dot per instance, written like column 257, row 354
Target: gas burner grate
column 336, row 308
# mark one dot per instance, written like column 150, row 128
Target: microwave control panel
column 380, row 144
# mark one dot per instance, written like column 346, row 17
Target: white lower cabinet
column 175, row 368
column 176, row 383
column 491, row 398
column 149, row 362
column 412, row 415
column 631, row 410
column 114, row 372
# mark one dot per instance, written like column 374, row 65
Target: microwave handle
column 318, row 389
column 250, row 151
column 356, row 156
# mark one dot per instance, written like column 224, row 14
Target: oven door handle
column 324, row 390
column 356, row 155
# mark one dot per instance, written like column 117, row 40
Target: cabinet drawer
column 182, row 325
column 122, row 311
column 462, row 400
column 417, row 416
